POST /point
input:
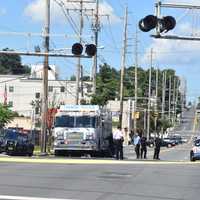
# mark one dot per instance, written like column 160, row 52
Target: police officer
column 118, row 142
column 143, row 142
column 157, row 148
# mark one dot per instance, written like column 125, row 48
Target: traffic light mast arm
column 175, row 37
column 42, row 54
column 171, row 5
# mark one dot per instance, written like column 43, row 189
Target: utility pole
column 45, row 78
column 96, row 29
column 163, row 94
column 79, row 59
column 149, row 96
column 169, row 98
column 82, row 93
column 123, row 61
column 136, row 79
column 156, row 102
column 174, row 98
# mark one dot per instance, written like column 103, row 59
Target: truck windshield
column 85, row 121
column 75, row 121
column 64, row 121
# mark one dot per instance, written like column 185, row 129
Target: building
column 23, row 94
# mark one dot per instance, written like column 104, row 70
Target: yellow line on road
column 90, row 161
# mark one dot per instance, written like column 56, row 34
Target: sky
column 27, row 17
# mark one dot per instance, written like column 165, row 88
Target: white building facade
column 20, row 93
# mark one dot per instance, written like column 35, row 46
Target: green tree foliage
column 6, row 115
column 107, row 85
column 11, row 64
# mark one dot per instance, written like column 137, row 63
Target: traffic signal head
column 77, row 49
column 148, row 23
column 91, row 49
column 167, row 23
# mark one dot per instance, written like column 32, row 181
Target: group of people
column 140, row 143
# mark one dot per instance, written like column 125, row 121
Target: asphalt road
column 138, row 181
column 174, row 177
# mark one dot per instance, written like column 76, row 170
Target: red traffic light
column 77, row 49
column 148, row 23
column 91, row 49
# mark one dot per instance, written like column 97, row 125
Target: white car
column 195, row 152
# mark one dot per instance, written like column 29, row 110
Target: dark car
column 1, row 144
column 16, row 143
column 168, row 142
column 177, row 139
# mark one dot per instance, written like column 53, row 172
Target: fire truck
column 82, row 129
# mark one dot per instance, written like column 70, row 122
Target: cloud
column 36, row 10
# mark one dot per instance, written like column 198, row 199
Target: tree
column 107, row 85
column 11, row 64
column 6, row 115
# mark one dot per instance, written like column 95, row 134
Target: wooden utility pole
column 156, row 102
column 45, row 78
column 136, row 79
column 79, row 59
column 96, row 29
column 163, row 94
column 169, row 97
column 149, row 97
column 174, row 98
column 123, row 61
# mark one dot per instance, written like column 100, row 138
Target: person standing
column 136, row 141
column 118, row 142
column 157, row 148
column 143, row 142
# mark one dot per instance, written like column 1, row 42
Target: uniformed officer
column 157, row 148
column 118, row 142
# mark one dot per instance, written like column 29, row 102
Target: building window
column 50, row 88
column 11, row 89
column 10, row 103
column 62, row 89
column 37, row 95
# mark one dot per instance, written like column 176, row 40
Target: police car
column 195, row 152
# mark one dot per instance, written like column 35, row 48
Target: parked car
column 195, row 152
column 16, row 143
column 177, row 139
column 168, row 142
column 1, row 143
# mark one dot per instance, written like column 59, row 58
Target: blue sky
column 27, row 16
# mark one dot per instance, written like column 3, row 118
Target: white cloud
column 36, row 10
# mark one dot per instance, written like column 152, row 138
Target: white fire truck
column 82, row 129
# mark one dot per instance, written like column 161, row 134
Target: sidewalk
column 129, row 152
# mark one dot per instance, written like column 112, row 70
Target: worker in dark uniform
column 157, row 148
column 143, row 143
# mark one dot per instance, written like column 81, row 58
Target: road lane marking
column 92, row 161
column 6, row 197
